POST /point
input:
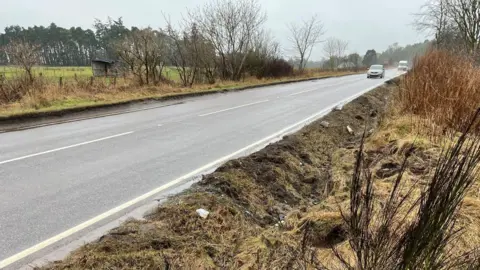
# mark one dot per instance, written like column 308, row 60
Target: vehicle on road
column 376, row 71
column 403, row 65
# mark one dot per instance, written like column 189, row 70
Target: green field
column 65, row 72
column 69, row 72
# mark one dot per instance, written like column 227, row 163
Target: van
column 403, row 65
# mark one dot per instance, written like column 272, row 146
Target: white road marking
column 278, row 135
column 65, row 147
column 323, row 86
column 298, row 93
column 233, row 108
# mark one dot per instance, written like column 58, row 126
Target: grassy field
column 66, row 72
column 70, row 72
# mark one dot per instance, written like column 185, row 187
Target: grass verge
column 80, row 95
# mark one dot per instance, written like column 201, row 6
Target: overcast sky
column 366, row 24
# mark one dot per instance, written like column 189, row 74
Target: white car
column 403, row 66
column 376, row 71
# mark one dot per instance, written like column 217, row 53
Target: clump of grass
column 406, row 231
column 443, row 88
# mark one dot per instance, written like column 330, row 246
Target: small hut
column 104, row 67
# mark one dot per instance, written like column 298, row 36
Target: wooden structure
column 104, row 68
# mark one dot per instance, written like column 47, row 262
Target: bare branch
column 335, row 50
column 304, row 37
column 23, row 54
column 230, row 26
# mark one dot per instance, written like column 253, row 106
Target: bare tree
column 329, row 47
column 466, row 16
column 454, row 23
column 335, row 50
column 208, row 59
column 230, row 26
column 304, row 37
column 341, row 48
column 355, row 59
column 183, row 52
column 433, row 18
column 264, row 50
column 143, row 50
column 204, row 49
column 23, row 54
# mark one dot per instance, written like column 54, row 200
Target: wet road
column 54, row 178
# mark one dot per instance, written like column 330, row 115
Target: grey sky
column 365, row 24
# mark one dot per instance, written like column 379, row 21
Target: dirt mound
column 250, row 200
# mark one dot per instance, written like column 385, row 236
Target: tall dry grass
column 443, row 88
column 408, row 231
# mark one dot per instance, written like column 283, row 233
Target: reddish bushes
column 443, row 88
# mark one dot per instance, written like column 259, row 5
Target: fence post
column 60, row 81
column 115, row 80
column 91, row 81
column 76, row 77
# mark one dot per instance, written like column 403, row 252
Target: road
column 56, row 177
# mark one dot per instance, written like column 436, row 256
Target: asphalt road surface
column 56, row 177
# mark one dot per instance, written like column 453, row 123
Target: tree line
column 57, row 46
column 455, row 25
column 223, row 39
column 395, row 53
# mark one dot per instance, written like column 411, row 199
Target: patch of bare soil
column 259, row 205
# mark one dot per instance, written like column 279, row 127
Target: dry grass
column 443, row 88
column 17, row 97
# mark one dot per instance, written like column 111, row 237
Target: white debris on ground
column 325, row 124
column 202, row 213
column 350, row 130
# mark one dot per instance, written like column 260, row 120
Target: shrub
column 275, row 68
column 443, row 88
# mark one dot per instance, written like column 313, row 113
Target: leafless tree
column 183, row 51
column 341, row 48
column 454, row 23
column 265, row 47
column 264, row 50
column 335, row 50
column 143, row 50
column 201, row 52
column 229, row 26
column 24, row 54
column 433, row 18
column 304, row 37
column 355, row 59
column 466, row 16
column 329, row 47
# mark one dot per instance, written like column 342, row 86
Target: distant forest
column 392, row 55
column 68, row 47
column 395, row 53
